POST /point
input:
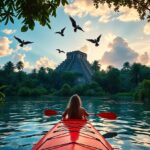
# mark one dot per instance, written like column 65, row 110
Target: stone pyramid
column 77, row 62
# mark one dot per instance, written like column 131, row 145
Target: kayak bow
column 73, row 135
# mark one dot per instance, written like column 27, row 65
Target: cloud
column 104, row 18
column 8, row 31
column 128, row 14
column 119, row 53
column 144, row 58
column 25, row 48
column 147, row 29
column 84, row 48
column 4, row 47
column 45, row 62
column 109, row 37
column 87, row 26
column 82, row 8
column 85, row 7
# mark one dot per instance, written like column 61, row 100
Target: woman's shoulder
column 82, row 108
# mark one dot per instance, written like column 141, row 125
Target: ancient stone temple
column 76, row 61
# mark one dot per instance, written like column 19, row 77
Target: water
column 22, row 122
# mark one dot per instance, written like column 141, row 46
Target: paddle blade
column 48, row 112
column 110, row 135
column 107, row 115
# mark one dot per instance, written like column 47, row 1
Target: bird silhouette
column 61, row 32
column 60, row 51
column 22, row 42
column 75, row 26
column 95, row 41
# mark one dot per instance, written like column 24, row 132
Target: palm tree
column 109, row 68
column 96, row 66
column 126, row 66
column 20, row 65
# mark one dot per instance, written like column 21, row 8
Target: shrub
column 24, row 91
column 143, row 91
column 65, row 90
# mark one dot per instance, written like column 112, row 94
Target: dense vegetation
column 30, row 12
column 129, row 79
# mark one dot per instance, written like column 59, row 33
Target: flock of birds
column 75, row 26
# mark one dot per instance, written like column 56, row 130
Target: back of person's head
column 75, row 101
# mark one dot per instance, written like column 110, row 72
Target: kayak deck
column 73, row 135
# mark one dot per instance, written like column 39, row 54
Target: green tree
column 112, row 80
column 126, row 66
column 29, row 11
column 20, row 65
column 143, row 91
column 42, row 74
column 33, row 73
column 9, row 67
column 70, row 77
column 135, row 73
column 96, row 66
column 65, row 90
column 142, row 6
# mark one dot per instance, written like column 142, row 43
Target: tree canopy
column 40, row 11
column 29, row 11
column 142, row 6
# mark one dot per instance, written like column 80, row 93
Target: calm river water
column 22, row 122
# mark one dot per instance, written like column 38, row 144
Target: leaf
column 31, row 26
column 24, row 28
column 4, row 18
column 11, row 19
column 48, row 25
column 3, row 86
column 19, row 15
column 7, row 19
column 58, row 2
column 64, row 2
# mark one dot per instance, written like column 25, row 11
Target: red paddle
column 107, row 115
column 49, row 112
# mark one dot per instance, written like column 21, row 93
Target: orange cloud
column 147, row 29
column 82, row 8
column 4, row 47
column 8, row 31
column 45, row 62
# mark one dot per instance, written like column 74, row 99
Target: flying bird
column 22, row 42
column 95, row 41
column 75, row 26
column 61, row 32
column 60, row 51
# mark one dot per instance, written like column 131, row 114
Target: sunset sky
column 124, row 37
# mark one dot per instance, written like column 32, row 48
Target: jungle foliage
column 46, row 81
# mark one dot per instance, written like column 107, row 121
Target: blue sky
column 124, row 38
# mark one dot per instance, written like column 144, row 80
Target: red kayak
column 73, row 135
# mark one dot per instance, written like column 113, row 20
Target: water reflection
column 22, row 123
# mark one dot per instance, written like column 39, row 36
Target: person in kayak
column 74, row 109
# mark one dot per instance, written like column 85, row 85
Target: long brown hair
column 74, row 106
